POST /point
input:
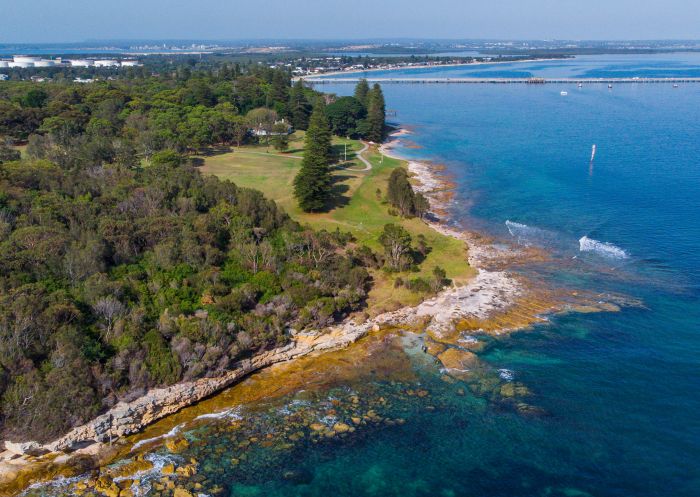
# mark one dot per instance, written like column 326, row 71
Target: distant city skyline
column 44, row 21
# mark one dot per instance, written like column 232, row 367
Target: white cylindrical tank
column 21, row 64
column 44, row 63
column 106, row 63
column 24, row 59
column 81, row 62
column 130, row 63
column 4, row 63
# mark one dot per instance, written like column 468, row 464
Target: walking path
column 358, row 155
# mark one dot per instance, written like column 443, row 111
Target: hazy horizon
column 47, row 21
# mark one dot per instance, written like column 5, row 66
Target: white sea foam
column 506, row 374
column 232, row 413
column 514, row 227
column 171, row 433
column 142, row 479
column 468, row 339
column 601, row 248
column 526, row 234
column 56, row 483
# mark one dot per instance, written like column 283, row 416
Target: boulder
column 459, row 363
column 181, row 492
column 176, row 445
column 341, row 427
column 26, row 448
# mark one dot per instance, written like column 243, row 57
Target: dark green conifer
column 376, row 115
column 313, row 182
column 362, row 92
column 299, row 107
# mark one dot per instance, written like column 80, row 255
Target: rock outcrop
column 127, row 418
column 487, row 292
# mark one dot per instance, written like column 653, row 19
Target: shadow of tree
column 215, row 150
column 338, row 197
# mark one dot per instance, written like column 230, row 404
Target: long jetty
column 534, row 81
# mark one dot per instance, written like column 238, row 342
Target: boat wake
column 604, row 249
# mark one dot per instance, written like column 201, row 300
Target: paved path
column 358, row 155
column 368, row 164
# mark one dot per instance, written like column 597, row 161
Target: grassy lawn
column 357, row 208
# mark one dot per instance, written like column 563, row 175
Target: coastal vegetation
column 122, row 267
column 360, row 207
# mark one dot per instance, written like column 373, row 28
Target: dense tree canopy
column 400, row 195
column 122, row 268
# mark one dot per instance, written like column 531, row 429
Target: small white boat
column 675, row 86
column 610, row 87
column 564, row 93
column 593, row 153
column 580, row 85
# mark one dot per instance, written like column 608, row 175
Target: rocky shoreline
column 489, row 292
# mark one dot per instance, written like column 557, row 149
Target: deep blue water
column 621, row 389
column 619, row 392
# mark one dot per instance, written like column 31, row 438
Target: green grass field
column 358, row 208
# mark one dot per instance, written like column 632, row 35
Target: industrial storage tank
column 25, row 59
column 130, row 63
column 44, row 63
column 21, row 64
column 4, row 63
column 106, row 63
column 81, row 63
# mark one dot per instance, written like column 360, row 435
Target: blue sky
column 78, row 20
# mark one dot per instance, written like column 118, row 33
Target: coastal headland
column 485, row 299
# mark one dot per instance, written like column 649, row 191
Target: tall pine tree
column 376, row 115
column 362, row 92
column 279, row 93
column 299, row 107
column 312, row 184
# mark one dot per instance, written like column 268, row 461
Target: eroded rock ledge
column 487, row 292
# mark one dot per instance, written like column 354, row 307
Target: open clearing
column 358, row 207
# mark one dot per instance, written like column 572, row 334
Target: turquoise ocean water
column 618, row 394
column 622, row 389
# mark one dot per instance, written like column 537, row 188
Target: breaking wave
column 526, row 234
column 506, row 374
column 171, row 433
column 601, row 248
column 232, row 413
column 142, row 479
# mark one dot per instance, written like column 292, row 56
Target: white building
column 130, row 63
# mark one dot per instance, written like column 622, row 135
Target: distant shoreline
column 422, row 66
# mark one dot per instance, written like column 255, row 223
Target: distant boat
column 593, row 153
column 564, row 93
column 580, row 85
column 610, row 87
column 675, row 86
